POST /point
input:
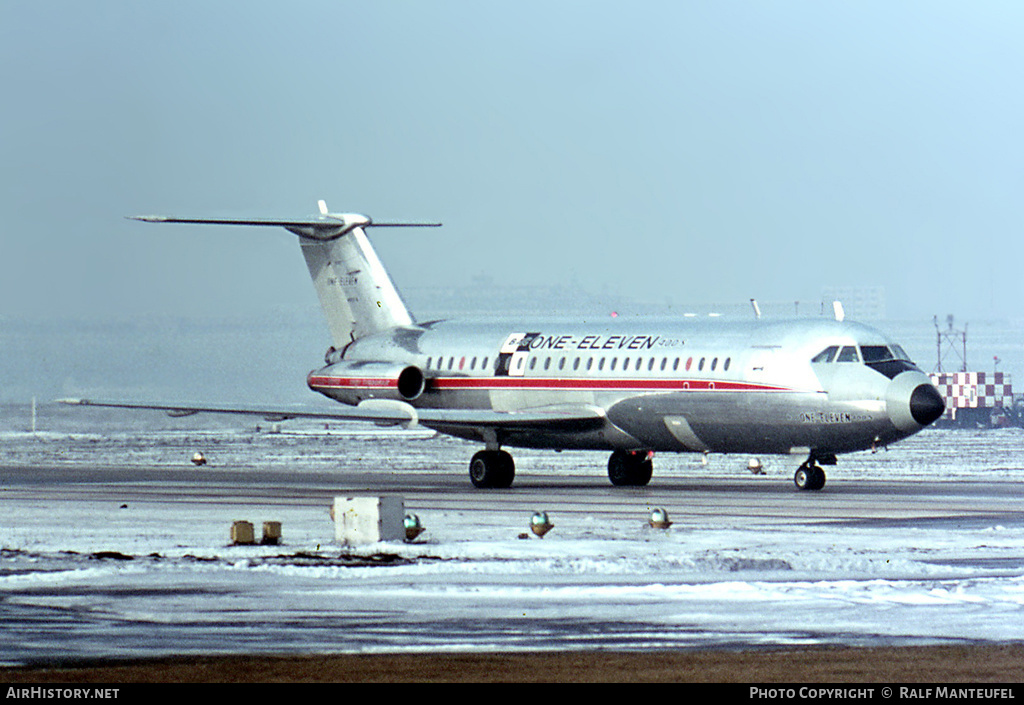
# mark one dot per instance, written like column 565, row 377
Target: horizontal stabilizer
column 355, row 291
column 324, row 227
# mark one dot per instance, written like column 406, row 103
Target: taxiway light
column 540, row 524
column 659, row 519
column 754, row 466
column 198, row 459
column 413, row 527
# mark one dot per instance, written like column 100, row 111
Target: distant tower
column 946, row 342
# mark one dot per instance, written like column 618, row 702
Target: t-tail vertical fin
column 357, row 295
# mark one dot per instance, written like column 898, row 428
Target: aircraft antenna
column 837, row 310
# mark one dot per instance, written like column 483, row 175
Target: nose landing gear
column 809, row 477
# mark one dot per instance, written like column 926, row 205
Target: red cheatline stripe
column 582, row 384
column 597, row 384
column 353, row 382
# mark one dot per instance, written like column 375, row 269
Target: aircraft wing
column 388, row 412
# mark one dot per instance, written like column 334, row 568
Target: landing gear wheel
column 809, row 477
column 492, row 469
column 630, row 468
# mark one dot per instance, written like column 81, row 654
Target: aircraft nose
column 913, row 402
column 926, row 404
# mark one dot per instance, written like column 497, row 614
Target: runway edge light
column 413, row 527
column 659, row 519
column 540, row 524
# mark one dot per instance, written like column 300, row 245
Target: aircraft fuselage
column 680, row 386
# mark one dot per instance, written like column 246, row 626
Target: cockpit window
column 826, row 355
column 848, row 354
column 876, row 353
column 889, row 360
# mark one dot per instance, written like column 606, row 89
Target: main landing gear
column 630, row 468
column 810, row 476
column 495, row 469
column 492, row 469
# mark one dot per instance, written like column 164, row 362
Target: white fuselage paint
column 689, row 385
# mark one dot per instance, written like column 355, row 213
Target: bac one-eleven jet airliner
column 810, row 387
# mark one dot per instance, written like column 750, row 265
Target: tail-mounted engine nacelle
column 353, row 382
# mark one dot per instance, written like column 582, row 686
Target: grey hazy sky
column 683, row 151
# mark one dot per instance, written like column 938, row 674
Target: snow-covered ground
column 126, row 552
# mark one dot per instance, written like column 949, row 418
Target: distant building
column 482, row 296
column 860, row 303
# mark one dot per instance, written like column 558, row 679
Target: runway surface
column 114, row 546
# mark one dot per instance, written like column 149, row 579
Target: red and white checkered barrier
column 974, row 390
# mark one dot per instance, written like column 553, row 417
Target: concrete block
column 271, row 533
column 242, row 533
column 364, row 520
